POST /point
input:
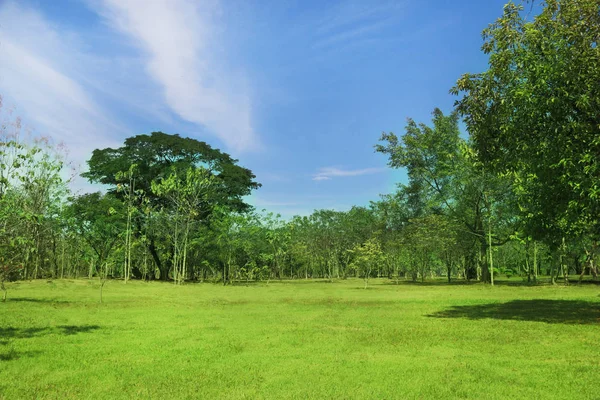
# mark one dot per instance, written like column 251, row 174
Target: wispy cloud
column 328, row 173
column 348, row 12
column 350, row 34
column 180, row 40
column 38, row 74
column 350, row 21
column 268, row 176
column 261, row 202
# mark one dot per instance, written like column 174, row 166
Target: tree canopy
column 535, row 113
column 157, row 154
column 517, row 193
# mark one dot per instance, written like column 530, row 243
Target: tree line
column 518, row 194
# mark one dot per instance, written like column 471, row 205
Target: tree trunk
column 535, row 262
column 591, row 264
column 470, row 265
column 563, row 262
column 552, row 277
column 161, row 267
column 101, row 288
column 483, row 262
column 491, row 252
column 3, row 288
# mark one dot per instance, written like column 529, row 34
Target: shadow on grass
column 9, row 333
column 573, row 312
column 244, row 283
column 585, row 282
column 36, row 300
column 12, row 354
column 514, row 282
column 275, row 282
column 301, row 281
column 503, row 282
column 74, row 329
column 25, row 333
column 402, row 282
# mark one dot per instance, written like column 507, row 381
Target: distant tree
column 156, row 156
column 427, row 239
column 33, row 188
column 193, row 195
column 366, row 257
column 445, row 178
column 130, row 196
column 278, row 238
column 227, row 228
column 8, row 272
column 99, row 219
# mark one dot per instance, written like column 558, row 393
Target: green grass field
column 299, row 340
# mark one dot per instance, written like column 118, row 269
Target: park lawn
column 299, row 339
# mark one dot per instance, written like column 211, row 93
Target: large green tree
column 156, row 156
column 535, row 113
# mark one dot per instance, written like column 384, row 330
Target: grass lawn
column 300, row 339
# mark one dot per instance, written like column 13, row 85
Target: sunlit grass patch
column 298, row 340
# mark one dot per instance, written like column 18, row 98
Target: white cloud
column 327, row 173
column 37, row 69
column 180, row 39
column 350, row 34
column 261, row 202
column 351, row 21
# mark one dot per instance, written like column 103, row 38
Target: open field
column 299, row 340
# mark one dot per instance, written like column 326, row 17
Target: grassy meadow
column 299, row 339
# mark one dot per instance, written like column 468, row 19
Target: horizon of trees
column 519, row 197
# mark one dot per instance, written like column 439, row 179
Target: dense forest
column 517, row 194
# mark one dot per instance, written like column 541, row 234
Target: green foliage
column 191, row 196
column 170, row 174
column 534, row 113
column 428, row 240
column 516, row 196
column 445, row 178
column 517, row 201
column 158, row 154
column 366, row 257
column 32, row 195
column 100, row 220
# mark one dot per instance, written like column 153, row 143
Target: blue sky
column 298, row 91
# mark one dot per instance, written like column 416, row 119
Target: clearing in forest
column 299, row 339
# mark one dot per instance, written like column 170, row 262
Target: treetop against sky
column 297, row 91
